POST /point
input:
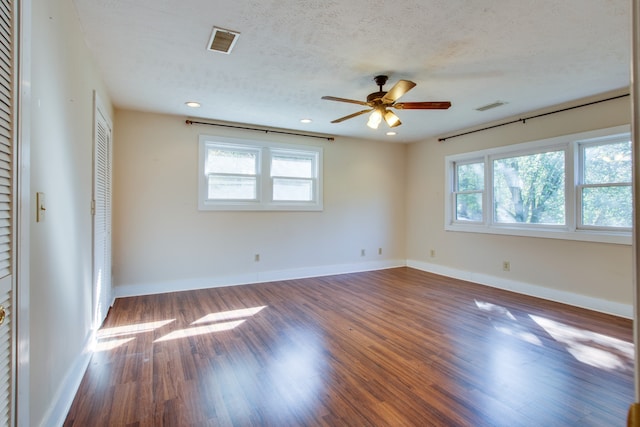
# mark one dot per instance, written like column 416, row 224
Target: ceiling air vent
column 490, row 106
column 222, row 40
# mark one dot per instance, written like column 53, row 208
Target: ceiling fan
column 379, row 102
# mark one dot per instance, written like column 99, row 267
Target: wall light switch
column 40, row 207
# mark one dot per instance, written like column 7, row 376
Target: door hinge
column 93, row 207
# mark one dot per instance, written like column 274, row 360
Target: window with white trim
column 604, row 187
column 529, row 188
column 236, row 174
column 575, row 187
column 468, row 191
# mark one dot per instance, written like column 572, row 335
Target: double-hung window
column 468, row 191
column 293, row 175
column 575, row 187
column 604, row 188
column 239, row 174
column 232, row 173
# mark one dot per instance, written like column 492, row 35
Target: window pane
column 231, row 161
column 232, row 188
column 607, row 206
column 292, row 166
column 292, row 190
column 469, row 207
column 607, row 163
column 530, row 189
column 470, row 177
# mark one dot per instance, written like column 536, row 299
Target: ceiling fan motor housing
column 375, row 96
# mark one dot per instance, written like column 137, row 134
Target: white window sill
column 616, row 238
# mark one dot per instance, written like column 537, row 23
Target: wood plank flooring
column 397, row 347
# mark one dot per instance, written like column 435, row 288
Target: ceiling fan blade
column 352, row 101
column 351, row 116
column 399, row 89
column 439, row 105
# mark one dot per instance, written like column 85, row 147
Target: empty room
column 302, row 213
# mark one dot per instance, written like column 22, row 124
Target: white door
column 8, row 72
column 102, row 216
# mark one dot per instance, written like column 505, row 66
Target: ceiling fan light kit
column 379, row 102
column 374, row 119
column 391, row 119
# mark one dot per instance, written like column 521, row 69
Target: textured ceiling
column 153, row 57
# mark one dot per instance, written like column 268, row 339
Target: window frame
column 572, row 229
column 581, row 184
column 257, row 175
column 264, row 181
column 455, row 191
column 528, row 151
column 275, row 152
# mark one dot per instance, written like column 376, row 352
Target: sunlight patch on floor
column 211, row 323
column 105, row 337
column 216, row 323
column 496, row 309
column 588, row 347
column 136, row 328
column 505, row 322
column 201, row 330
column 229, row 315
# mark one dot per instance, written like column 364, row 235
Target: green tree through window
column 530, row 189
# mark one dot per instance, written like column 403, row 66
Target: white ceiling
column 533, row 54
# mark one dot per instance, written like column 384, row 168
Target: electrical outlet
column 379, row 251
column 506, row 266
column 256, row 258
column 362, row 252
column 432, row 253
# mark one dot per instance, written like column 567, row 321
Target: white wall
column 162, row 242
column 63, row 81
column 595, row 275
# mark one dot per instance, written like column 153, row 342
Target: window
column 232, row 173
column 253, row 175
column 571, row 187
column 469, row 188
column 293, row 175
column 529, row 189
column 605, row 184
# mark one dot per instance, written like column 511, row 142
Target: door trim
column 23, row 207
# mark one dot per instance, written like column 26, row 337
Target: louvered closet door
column 7, row 226
column 102, row 218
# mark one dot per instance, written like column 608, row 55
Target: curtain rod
column 328, row 138
column 524, row 120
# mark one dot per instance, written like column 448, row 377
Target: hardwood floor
column 396, row 347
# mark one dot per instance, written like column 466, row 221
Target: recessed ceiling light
column 305, row 120
column 192, row 104
column 391, row 133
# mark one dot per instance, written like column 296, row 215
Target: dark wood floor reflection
column 397, row 347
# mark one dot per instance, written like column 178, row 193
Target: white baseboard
column 129, row 290
column 596, row 304
column 61, row 403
